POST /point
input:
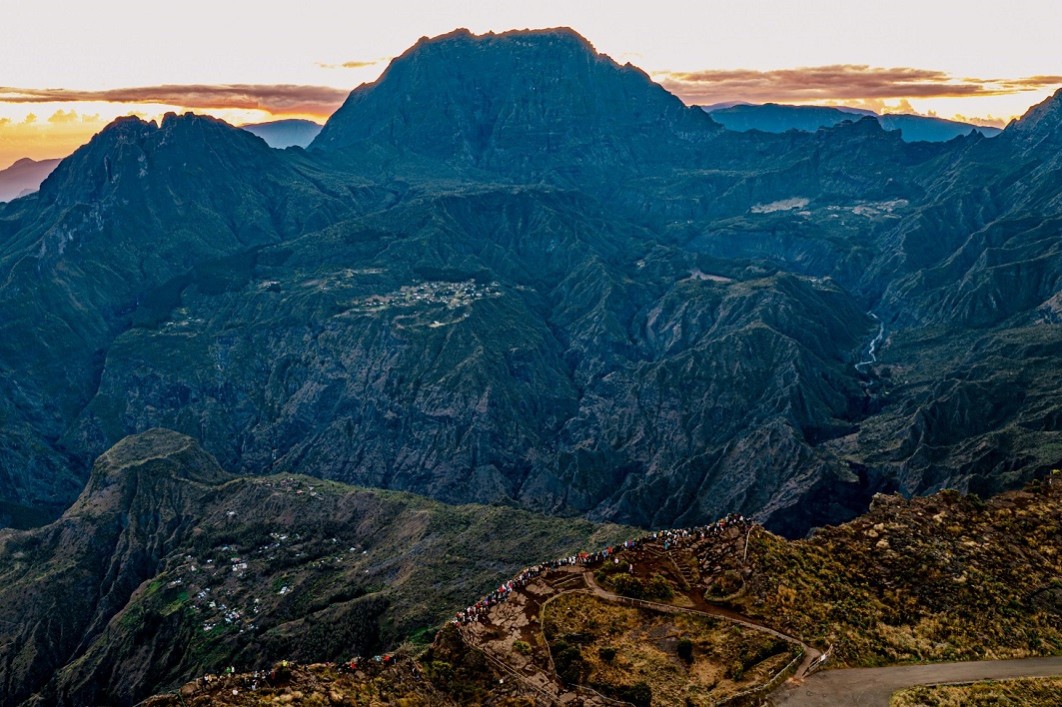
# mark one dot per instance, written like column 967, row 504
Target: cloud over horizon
column 273, row 98
column 351, row 64
column 838, row 82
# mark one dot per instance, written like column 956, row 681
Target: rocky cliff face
column 138, row 206
column 65, row 583
column 512, row 270
column 516, row 103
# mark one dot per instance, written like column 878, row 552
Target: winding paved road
column 873, row 686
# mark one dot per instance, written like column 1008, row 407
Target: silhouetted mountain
column 776, row 118
column 24, row 177
column 517, row 103
column 285, row 133
column 929, row 129
column 1040, row 126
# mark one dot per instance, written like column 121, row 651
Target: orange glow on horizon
column 51, row 130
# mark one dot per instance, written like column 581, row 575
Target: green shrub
column 571, row 667
column 440, row 670
column 685, row 649
column 658, row 588
column 628, row 586
column 639, row 694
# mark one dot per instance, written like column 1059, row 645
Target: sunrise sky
column 67, row 69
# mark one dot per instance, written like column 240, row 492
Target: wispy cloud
column 838, row 82
column 274, row 98
column 351, row 64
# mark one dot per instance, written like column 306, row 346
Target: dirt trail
column 517, row 619
column 810, row 654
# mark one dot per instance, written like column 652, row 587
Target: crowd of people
column 669, row 539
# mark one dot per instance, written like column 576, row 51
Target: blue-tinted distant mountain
column 285, row 133
column 916, row 128
column 24, row 177
column 777, row 118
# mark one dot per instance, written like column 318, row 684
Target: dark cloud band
column 838, row 82
column 279, row 98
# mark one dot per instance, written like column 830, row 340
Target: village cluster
column 450, row 294
column 220, row 587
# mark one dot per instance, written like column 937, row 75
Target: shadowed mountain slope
column 513, row 270
column 167, row 567
column 518, row 103
column 280, row 134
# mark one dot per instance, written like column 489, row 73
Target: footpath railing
column 672, row 609
column 752, row 693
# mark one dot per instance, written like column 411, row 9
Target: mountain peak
column 128, row 151
column 520, row 98
column 1042, row 121
column 156, row 455
column 462, row 34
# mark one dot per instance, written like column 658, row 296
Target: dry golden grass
column 1021, row 692
column 947, row 577
column 725, row 658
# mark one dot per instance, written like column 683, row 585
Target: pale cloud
column 60, row 116
column 989, row 121
column 876, row 105
column 57, row 136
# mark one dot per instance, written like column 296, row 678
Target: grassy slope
column 946, row 577
column 1027, row 692
column 271, row 568
column 724, row 658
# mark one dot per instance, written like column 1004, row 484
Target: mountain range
column 167, row 566
column 778, row 118
column 281, row 134
column 514, row 271
column 24, row 177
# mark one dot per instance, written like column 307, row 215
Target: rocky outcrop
column 167, row 567
column 64, row 584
